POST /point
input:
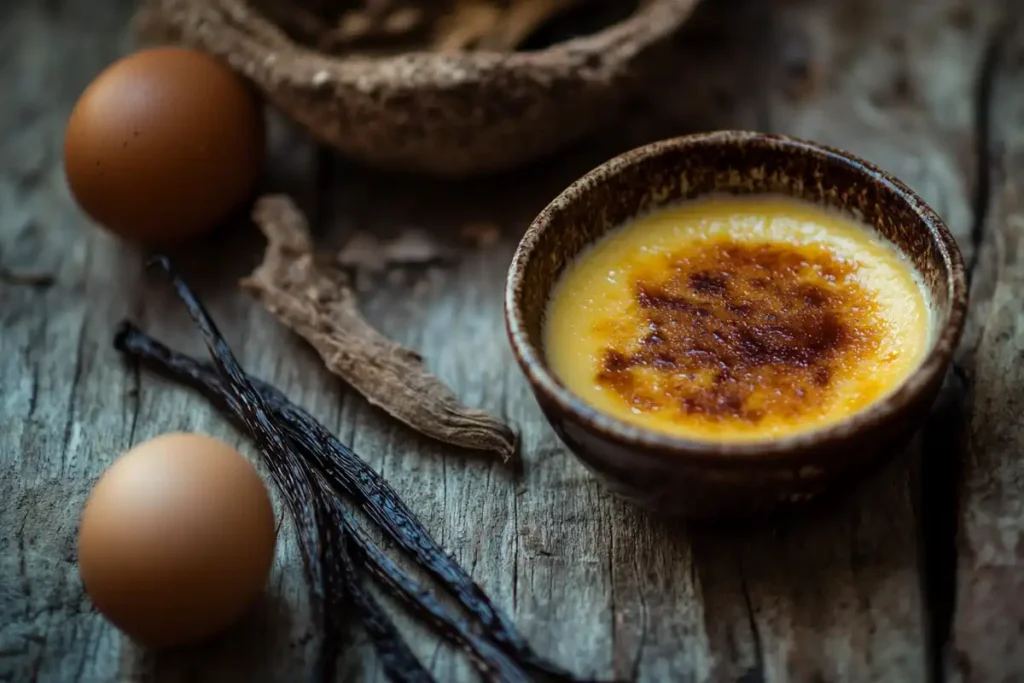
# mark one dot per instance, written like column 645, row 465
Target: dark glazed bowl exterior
column 707, row 479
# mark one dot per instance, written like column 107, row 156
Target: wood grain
column 662, row 601
column 990, row 597
column 854, row 76
column 70, row 405
column 603, row 588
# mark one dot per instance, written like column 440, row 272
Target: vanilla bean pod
column 492, row 661
column 398, row 661
column 383, row 505
column 374, row 495
column 295, row 485
column 250, row 407
column 340, row 581
column 297, row 488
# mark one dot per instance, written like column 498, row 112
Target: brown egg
column 176, row 540
column 163, row 145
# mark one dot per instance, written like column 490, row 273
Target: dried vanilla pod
column 317, row 301
column 497, row 648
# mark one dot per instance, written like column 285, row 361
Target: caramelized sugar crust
column 740, row 331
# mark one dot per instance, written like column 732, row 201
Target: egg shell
column 163, row 145
column 176, row 540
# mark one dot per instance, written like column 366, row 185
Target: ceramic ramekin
column 703, row 478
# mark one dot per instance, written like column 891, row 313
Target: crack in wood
column 24, row 279
column 757, row 673
column 638, row 657
column 942, row 441
column 983, row 141
column 76, row 377
column 515, row 552
column 135, row 398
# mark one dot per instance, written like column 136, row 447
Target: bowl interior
column 441, row 26
column 731, row 163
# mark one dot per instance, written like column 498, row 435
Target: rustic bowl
column 705, row 479
column 442, row 114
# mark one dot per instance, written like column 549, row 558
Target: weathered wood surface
column 987, row 635
column 858, row 590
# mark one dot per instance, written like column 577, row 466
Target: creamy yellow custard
column 737, row 319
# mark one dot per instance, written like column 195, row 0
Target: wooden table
column 864, row 589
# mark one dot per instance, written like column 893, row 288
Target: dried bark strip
column 364, row 253
column 329, row 567
column 317, row 302
column 520, row 21
column 398, row 26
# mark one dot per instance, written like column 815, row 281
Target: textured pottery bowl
column 705, row 479
column 442, row 114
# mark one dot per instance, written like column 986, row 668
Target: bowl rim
column 931, row 368
column 648, row 24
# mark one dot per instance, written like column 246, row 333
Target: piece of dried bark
column 364, row 252
column 520, row 20
column 468, row 23
column 317, row 302
column 490, row 25
column 457, row 24
column 367, row 257
column 302, row 22
column 481, row 234
column 416, row 247
column 379, row 28
column 360, row 25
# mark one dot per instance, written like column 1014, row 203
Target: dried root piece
column 385, row 24
column 481, row 234
column 366, row 258
column 317, row 302
column 522, row 18
column 366, row 254
column 448, row 25
column 294, row 18
column 494, row 25
column 467, row 24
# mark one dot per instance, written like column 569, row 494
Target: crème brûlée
column 737, row 319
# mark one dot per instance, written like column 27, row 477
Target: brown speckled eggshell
column 163, row 145
column 176, row 540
